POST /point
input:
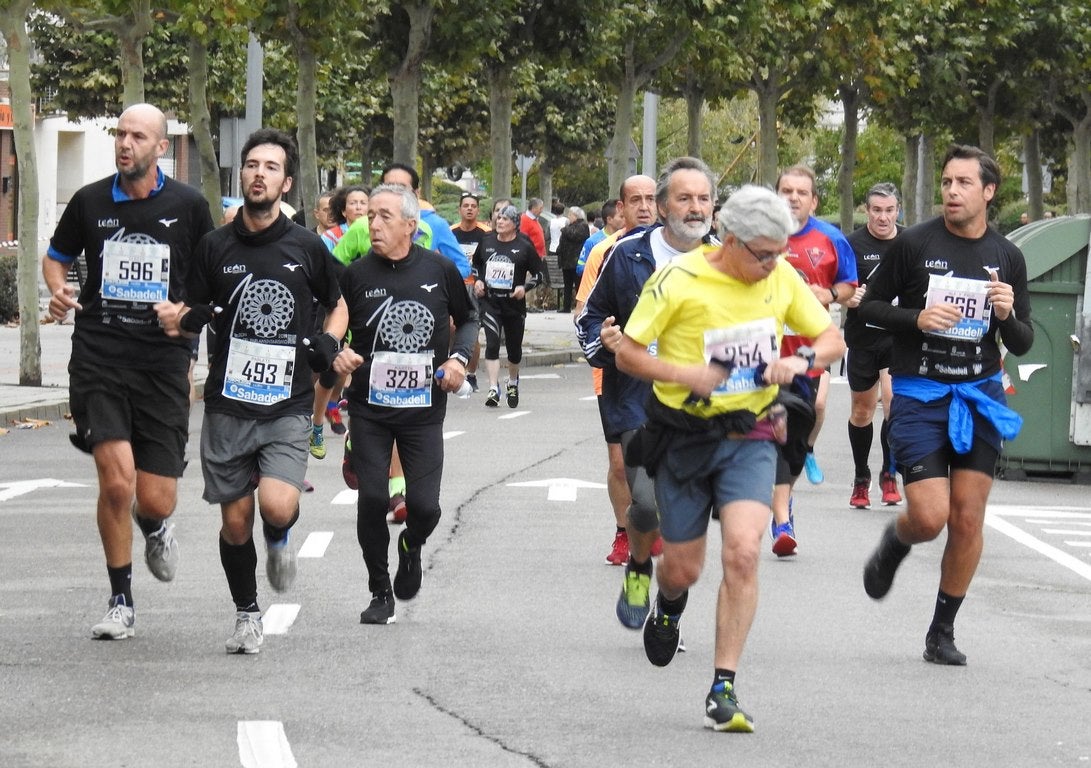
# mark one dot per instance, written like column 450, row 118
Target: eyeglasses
column 763, row 258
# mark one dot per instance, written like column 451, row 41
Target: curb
column 56, row 410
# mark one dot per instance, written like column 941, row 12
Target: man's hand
column 939, row 317
column 1001, row 296
column 857, row 297
column 784, row 369
column 479, row 289
column 454, row 373
column 518, row 292
column 347, row 361
column 63, row 300
column 610, row 335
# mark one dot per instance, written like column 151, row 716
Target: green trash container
column 1050, row 386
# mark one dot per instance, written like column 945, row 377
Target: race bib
column 137, row 273
column 500, row 275
column 260, row 374
column 468, row 249
column 971, row 296
column 401, row 380
column 746, row 347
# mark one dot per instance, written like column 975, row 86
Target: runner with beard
column 256, row 280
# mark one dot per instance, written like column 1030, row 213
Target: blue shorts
column 693, row 479
column 918, row 430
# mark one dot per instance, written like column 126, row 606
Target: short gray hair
column 410, row 206
column 662, row 184
column 754, row 212
column 578, row 212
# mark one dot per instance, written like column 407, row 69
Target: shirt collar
column 120, row 196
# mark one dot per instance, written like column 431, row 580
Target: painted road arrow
column 560, row 488
column 20, row 487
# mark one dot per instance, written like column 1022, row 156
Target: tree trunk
column 768, row 92
column 1081, row 157
column 366, row 161
column 619, row 168
column 695, row 105
column 909, row 179
column 926, row 180
column 501, row 98
column 405, row 81
column 850, row 97
column 131, row 40
column 200, row 122
column 1032, row 162
column 1071, row 187
column 306, row 96
column 545, row 182
column 13, row 21
column 986, row 121
column 427, row 169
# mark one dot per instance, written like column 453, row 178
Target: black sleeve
column 884, row 287
column 1016, row 332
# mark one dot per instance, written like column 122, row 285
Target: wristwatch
column 460, row 357
column 807, row 354
column 833, row 293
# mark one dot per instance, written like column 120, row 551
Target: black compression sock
column 860, row 439
column 884, row 441
column 673, row 607
column 644, row 568
column 276, row 533
column 121, row 582
column 148, row 525
column 946, row 608
column 240, row 562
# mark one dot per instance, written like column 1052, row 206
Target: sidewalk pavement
column 550, row 340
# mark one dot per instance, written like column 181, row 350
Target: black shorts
column 148, row 409
column 864, row 363
column 612, row 438
column 981, row 458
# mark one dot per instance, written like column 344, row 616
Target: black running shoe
column 381, row 610
column 722, row 710
column 493, row 399
column 884, row 562
column 661, row 634
column 939, row 646
column 408, row 578
column 512, row 393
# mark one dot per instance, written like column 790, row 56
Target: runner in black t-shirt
column 507, row 267
column 129, row 382
column 469, row 232
column 255, row 282
column 870, row 349
column 961, row 289
column 403, row 301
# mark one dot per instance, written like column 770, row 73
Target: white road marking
column 315, row 544
column 455, row 433
column 20, row 487
column 1078, row 543
column 559, row 488
column 346, row 497
column 523, row 376
column 994, row 519
column 1066, row 532
column 591, row 397
column 278, row 618
column 263, row 744
column 515, row 415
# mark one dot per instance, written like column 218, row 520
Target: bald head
column 139, row 141
column 148, row 115
column 638, row 201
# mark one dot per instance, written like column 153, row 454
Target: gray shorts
column 691, row 481
column 236, row 452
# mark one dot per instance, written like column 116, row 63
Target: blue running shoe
column 814, row 472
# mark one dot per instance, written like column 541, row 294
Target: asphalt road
column 511, row 654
